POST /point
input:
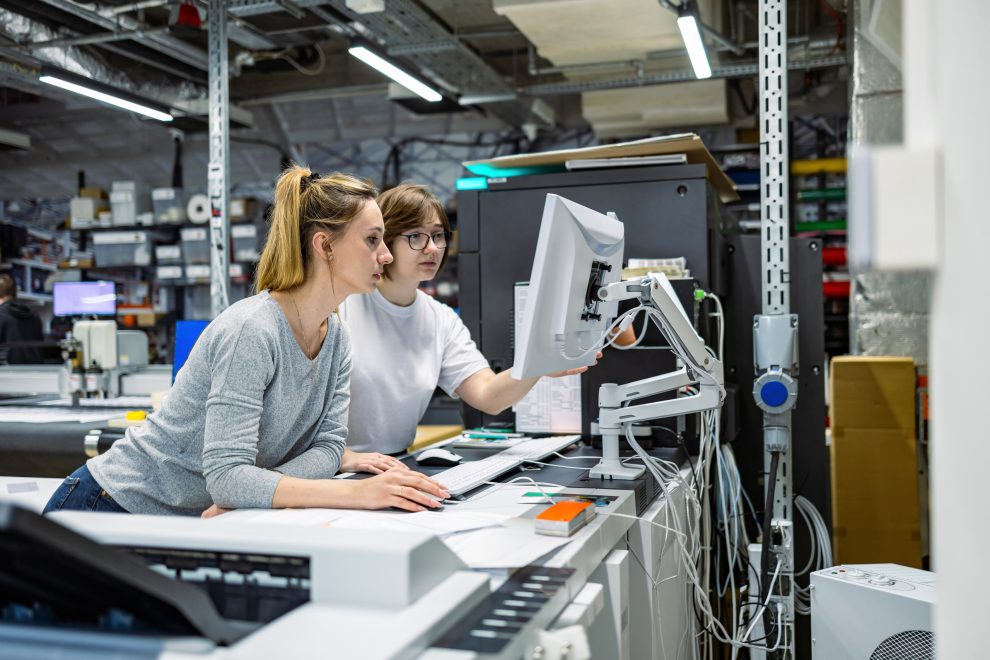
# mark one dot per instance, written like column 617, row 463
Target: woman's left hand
column 214, row 511
column 574, row 372
column 373, row 462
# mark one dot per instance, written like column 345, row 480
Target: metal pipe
column 101, row 38
column 573, row 68
column 134, row 6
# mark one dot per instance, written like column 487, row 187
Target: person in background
column 406, row 343
column 257, row 417
column 18, row 323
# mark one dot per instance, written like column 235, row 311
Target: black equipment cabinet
column 667, row 212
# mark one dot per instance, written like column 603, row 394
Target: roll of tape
column 198, row 209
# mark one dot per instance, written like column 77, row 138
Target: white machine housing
column 881, row 611
column 352, row 567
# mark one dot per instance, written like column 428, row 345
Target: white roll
column 198, row 209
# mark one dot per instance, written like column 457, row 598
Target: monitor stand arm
column 614, row 415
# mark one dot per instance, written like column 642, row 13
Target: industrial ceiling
column 511, row 71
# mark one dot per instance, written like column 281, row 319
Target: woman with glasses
column 257, row 417
column 406, row 343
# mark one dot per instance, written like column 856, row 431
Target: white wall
column 960, row 350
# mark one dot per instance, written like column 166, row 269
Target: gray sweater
column 246, row 408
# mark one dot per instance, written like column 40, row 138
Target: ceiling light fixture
column 687, row 23
column 104, row 97
column 382, row 65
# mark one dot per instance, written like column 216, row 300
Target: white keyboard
column 468, row 476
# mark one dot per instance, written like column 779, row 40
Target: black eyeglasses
column 418, row 240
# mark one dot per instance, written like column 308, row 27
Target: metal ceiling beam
column 259, row 7
column 103, row 38
column 329, row 135
column 331, row 93
column 741, row 70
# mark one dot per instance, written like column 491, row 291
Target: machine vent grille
column 914, row 644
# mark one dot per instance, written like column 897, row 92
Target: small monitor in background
column 186, row 334
column 578, row 251
column 85, row 299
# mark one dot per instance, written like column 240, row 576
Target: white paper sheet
column 436, row 522
column 511, row 546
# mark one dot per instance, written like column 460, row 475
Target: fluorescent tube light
column 395, row 73
column 106, row 98
column 688, row 26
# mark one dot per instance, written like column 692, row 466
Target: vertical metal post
column 775, row 330
column 773, row 158
column 219, row 192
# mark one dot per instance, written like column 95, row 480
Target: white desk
column 29, row 492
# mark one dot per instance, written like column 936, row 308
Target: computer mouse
column 437, row 457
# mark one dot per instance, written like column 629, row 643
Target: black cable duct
column 765, row 551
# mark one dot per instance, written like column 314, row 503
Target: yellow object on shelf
column 429, row 434
column 828, row 165
column 136, row 415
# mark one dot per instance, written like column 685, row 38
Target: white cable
column 577, row 458
column 303, row 70
column 607, row 337
column 721, row 322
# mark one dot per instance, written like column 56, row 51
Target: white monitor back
column 557, row 333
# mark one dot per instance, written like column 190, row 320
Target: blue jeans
column 81, row 492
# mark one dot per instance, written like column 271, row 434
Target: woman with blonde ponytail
column 257, row 417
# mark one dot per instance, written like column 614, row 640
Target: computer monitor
column 578, row 251
column 85, row 299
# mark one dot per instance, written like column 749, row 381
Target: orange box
column 564, row 518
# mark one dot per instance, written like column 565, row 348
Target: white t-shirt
column 399, row 357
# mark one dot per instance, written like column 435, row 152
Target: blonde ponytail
column 304, row 203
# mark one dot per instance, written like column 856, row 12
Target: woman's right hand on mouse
column 400, row 488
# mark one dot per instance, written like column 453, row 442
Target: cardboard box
column 872, row 392
column 94, row 193
column 876, row 515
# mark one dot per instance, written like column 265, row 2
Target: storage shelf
column 30, row 263
column 34, row 297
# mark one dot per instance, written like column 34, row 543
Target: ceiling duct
column 21, row 30
column 626, row 112
column 14, row 140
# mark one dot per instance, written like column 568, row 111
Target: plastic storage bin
column 168, row 254
column 195, row 245
column 128, row 199
column 245, row 242
column 169, row 206
column 122, row 248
